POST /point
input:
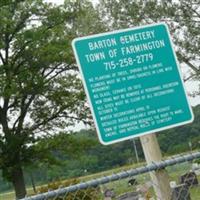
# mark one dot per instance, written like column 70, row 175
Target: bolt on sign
column 132, row 81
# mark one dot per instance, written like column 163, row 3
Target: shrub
column 86, row 194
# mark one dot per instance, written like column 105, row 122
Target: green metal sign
column 132, row 81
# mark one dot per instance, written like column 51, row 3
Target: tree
column 182, row 17
column 40, row 91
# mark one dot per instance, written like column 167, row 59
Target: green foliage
column 96, row 157
column 176, row 140
column 182, row 17
column 41, row 92
column 81, row 153
column 87, row 194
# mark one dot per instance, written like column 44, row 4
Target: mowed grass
column 7, row 196
column 121, row 186
column 11, row 195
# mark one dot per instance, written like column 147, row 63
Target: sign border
column 88, row 96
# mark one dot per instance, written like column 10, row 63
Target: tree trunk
column 18, row 182
column 33, row 182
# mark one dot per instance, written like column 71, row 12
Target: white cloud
column 58, row 2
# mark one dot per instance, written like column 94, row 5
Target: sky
column 55, row 1
column 62, row 1
column 189, row 86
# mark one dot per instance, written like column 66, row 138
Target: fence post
column 159, row 177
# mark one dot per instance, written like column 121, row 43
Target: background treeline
column 80, row 153
column 41, row 93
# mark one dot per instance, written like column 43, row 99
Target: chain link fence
column 133, row 184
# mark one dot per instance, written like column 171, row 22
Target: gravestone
column 109, row 193
column 181, row 192
column 132, row 182
column 196, row 168
column 189, row 179
column 129, row 196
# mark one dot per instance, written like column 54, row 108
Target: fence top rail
column 114, row 177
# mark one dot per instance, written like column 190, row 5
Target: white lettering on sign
column 133, row 83
column 102, row 44
column 93, row 57
column 132, row 49
column 126, row 39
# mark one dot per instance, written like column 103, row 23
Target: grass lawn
column 11, row 195
column 121, row 186
column 7, row 196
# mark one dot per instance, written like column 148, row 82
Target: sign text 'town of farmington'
column 132, row 81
